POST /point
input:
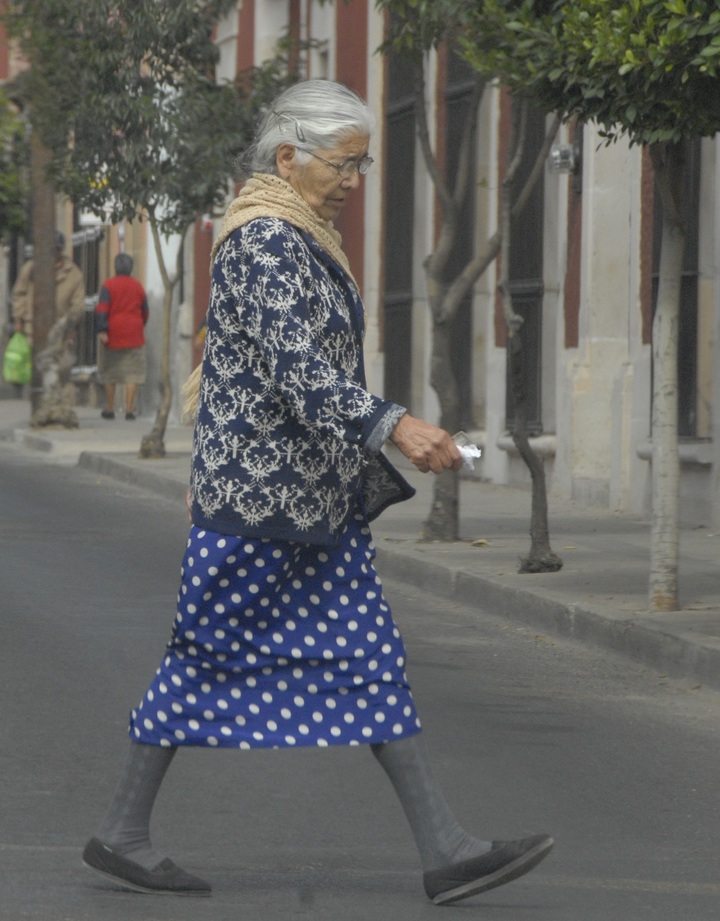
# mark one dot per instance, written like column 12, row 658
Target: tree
column 14, row 157
column 648, row 70
column 146, row 132
column 40, row 93
column 416, row 27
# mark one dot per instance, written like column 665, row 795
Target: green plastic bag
column 17, row 363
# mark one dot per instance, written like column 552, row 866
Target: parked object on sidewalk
column 17, row 360
column 283, row 637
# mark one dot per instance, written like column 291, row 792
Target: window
column 688, row 394
column 398, row 224
column 525, row 276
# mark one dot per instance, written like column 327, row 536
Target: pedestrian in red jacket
column 121, row 315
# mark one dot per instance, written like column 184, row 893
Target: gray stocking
column 126, row 827
column 438, row 836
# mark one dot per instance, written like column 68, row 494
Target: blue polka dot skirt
column 279, row 644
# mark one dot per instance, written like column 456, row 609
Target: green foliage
column 124, row 94
column 649, row 69
column 417, row 26
column 13, row 172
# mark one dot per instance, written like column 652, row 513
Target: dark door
column 525, row 276
column 398, row 224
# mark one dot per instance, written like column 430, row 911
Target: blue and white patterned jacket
column 287, row 438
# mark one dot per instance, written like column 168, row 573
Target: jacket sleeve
column 269, row 288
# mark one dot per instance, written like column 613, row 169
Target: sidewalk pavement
column 598, row 597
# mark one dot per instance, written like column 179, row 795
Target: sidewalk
column 599, row 596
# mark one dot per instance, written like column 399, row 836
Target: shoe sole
column 136, row 887
column 506, row 874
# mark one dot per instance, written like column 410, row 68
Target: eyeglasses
column 348, row 167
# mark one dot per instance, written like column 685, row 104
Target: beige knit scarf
column 264, row 195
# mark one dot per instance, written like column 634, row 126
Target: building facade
column 584, row 272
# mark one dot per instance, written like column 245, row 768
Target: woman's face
column 318, row 183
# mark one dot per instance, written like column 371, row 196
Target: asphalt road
column 528, row 734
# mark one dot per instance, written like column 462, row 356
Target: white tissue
column 469, row 453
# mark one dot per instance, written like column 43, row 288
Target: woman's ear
column 285, row 160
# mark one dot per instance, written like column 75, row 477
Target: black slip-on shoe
column 164, row 879
column 107, row 414
column 507, row 861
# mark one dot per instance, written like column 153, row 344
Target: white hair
column 316, row 114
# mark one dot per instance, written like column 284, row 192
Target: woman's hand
column 425, row 445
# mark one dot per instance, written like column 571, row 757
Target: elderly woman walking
column 282, row 636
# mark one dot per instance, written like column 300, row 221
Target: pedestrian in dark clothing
column 282, row 636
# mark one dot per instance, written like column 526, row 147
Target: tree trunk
column 152, row 446
column 442, row 522
column 541, row 557
column 43, row 235
column 664, row 541
column 51, row 397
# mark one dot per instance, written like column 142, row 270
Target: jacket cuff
column 384, row 427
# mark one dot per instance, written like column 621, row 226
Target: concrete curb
column 643, row 640
column 144, row 478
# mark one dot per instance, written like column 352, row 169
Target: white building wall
column 596, row 397
column 372, row 190
column 714, row 428
column 606, row 296
column 271, row 20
